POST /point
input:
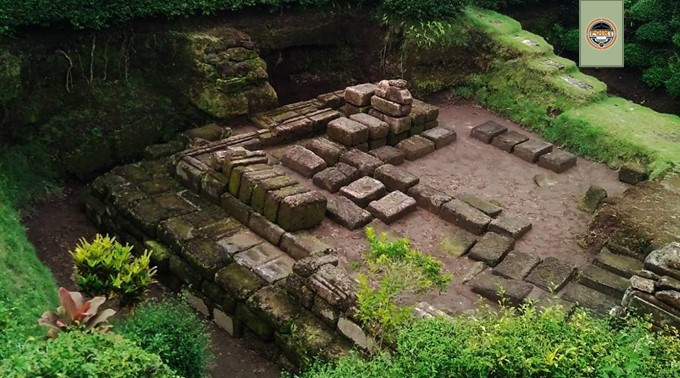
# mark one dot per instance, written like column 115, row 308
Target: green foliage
column 84, row 354
column 422, row 10
column 172, row 330
column 518, row 343
column 635, row 55
column 106, row 267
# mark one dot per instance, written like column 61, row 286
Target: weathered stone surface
column 302, row 244
column 325, row 312
column 274, row 198
column 310, row 264
column 227, row 322
column 321, row 118
column 238, row 281
column 491, row 287
column 184, row 272
column 507, row 141
column 551, row 274
column 293, row 129
column 303, row 161
column 394, row 93
column 456, row 243
column 510, row 225
column 210, row 132
column 239, row 242
column 346, row 213
column 206, row 256
column 256, row 324
column 275, row 270
column 667, row 283
column 491, row 248
column 416, row 147
column 665, row 261
column 377, row 129
column 390, row 108
column 395, row 178
column 532, row 150
column 360, row 95
column 389, row 155
column 231, row 164
column 429, row 198
column 377, row 143
column 351, row 172
column 262, row 188
column 237, row 174
column 309, row 336
column 302, row 211
column 603, row 280
column 642, row 284
column 258, row 255
column 633, row 173
column 156, row 151
column 236, row 208
column 355, row 333
column 647, row 274
column 422, row 112
column 196, row 302
column 365, row 163
column 270, row 231
column 190, row 172
column 364, row 190
column 545, row 180
column 589, row 298
column 622, row 265
column 487, row 207
column 440, row 136
column 250, row 179
column 328, row 150
column 176, row 232
column 465, row 216
column 425, row 310
column 148, row 213
column 397, row 125
column 474, row 270
column 214, row 184
column 516, row 265
column 592, row 199
column 334, row 286
column 394, row 139
column 670, row 297
column 331, row 100
column 160, row 185
column 349, row 109
column 661, row 313
column 331, row 179
column 348, row 132
column 557, row 161
column 487, row 131
column 392, row 207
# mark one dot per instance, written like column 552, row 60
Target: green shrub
column 171, row 329
column 422, row 10
column 106, row 267
column 526, row 343
column 84, row 354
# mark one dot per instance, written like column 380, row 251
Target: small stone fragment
column 592, row 199
column 545, row 180
column 633, row 173
column 642, row 284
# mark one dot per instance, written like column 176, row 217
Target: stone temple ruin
column 229, row 220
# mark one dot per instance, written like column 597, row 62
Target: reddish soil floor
column 56, row 226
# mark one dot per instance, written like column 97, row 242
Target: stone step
column 588, row 298
column 603, row 281
column 498, row 288
column 619, row 264
column 551, row 274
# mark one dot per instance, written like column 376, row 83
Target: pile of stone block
column 655, row 290
column 392, row 104
column 358, row 98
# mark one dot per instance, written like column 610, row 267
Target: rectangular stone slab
column 429, row 198
column 237, row 174
column 392, row 207
column 263, row 187
column 416, row 147
column 273, row 200
column 532, row 149
column 487, row 131
column 390, row 108
column 377, row 129
column 363, row 191
column 490, row 286
column 389, row 155
column 365, row 163
column 328, row 150
column 481, row 204
column 465, row 216
column 557, row 161
column 622, row 265
column 393, row 93
column 456, row 243
column 331, row 179
column 422, row 112
column 510, row 225
column 348, row 132
column 397, row 125
column 346, row 213
column 395, row 178
column 508, row 141
column 603, row 281
column 303, row 161
column 516, row 265
column 360, row 95
column 440, row 136
column 589, row 298
column 492, row 248
column 302, row 211
column 551, row 274
column 250, row 179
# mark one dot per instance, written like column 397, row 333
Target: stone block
column 364, row 191
column 592, row 199
column 429, row 198
column 239, row 242
column 642, row 284
column 231, row 164
column 377, row 143
column 670, row 297
column 589, row 298
column 633, row 173
column 228, row 323
column 213, row 185
column 395, row 178
column 258, row 255
column 184, row 272
column 270, row 231
column 294, row 129
column 196, row 302
column 510, row 225
column 456, row 243
column 334, row 286
column 328, row 150
column 397, row 94
column 325, row 312
column 205, row 256
column 557, row 161
column 416, row 147
column 274, row 198
column 516, row 265
column 250, row 179
column 603, row 281
column 190, row 172
column 360, row 95
column 377, row 129
column 487, row 131
column 507, row 141
column 303, row 161
column 331, row 100
column 321, row 118
column 551, row 274
column 667, row 283
column 354, row 332
column 237, row 174
column 348, row 132
column 392, row 207
column 351, row 172
column 301, row 244
column 394, row 139
column 492, row 287
column 236, row 208
column 397, row 125
column 251, row 320
column 491, row 248
column 487, row 207
column 331, row 179
column 662, row 314
column 390, row 108
column 276, row 307
column 423, row 113
column 465, row 216
column 343, row 211
column 349, row 109
column 365, row 163
column 265, row 186
column 665, row 261
column 440, row 136
column 312, row 263
column 176, row 232
column 416, row 130
column 302, row 211
column 622, row 265
column 389, row 155
column 532, row 150
column 275, row 270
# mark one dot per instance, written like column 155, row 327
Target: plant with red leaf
column 75, row 313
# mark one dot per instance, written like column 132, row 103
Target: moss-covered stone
column 218, row 296
column 184, row 272
column 238, row 281
column 160, row 254
column 205, row 256
column 176, row 232
column 263, row 187
column 275, row 306
column 259, row 327
column 273, row 200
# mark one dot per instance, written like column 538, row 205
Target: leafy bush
column 84, row 354
column 422, row 10
column 526, row 343
column 76, row 314
column 106, row 267
column 171, row 329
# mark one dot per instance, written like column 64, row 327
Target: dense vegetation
column 525, row 343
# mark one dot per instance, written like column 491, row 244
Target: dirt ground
column 57, row 225
column 470, row 166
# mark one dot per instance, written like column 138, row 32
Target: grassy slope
column 525, row 84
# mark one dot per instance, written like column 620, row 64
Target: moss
column 10, row 76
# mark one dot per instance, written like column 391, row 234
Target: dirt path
column 57, row 225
